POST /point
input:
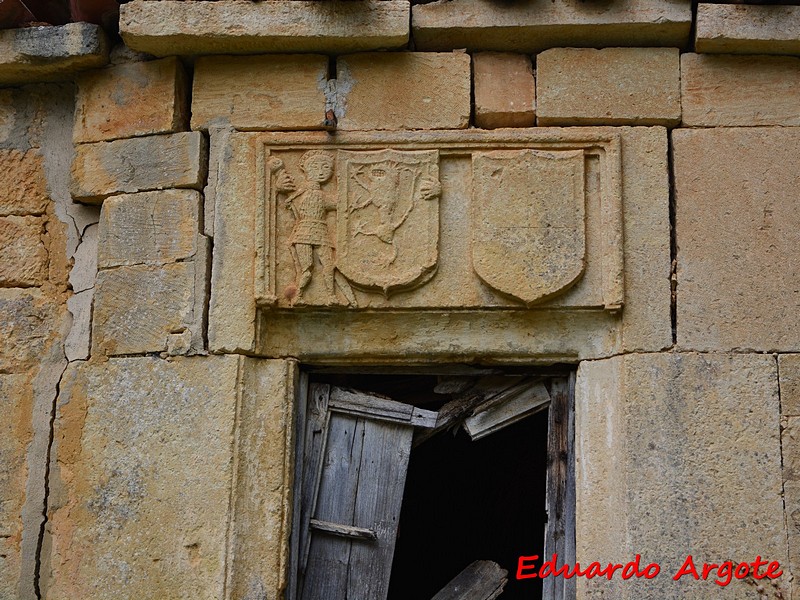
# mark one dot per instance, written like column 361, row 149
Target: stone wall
column 156, row 309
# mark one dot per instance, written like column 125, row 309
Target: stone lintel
column 747, row 29
column 229, row 27
column 50, row 53
column 540, row 24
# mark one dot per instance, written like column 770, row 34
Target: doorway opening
column 490, row 481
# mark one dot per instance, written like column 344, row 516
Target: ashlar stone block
column 435, row 91
column 260, row 92
column 50, row 53
column 505, row 90
column 747, row 29
column 23, row 187
column 789, row 368
column 379, row 222
column 24, row 256
column 172, row 27
column 648, row 481
column 132, row 99
column 611, row 86
column 142, row 308
column 149, row 228
column 536, row 25
column 168, row 479
column 747, row 91
column 29, row 324
column 737, row 224
column 138, row 164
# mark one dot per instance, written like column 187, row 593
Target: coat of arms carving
column 387, row 220
column 528, row 235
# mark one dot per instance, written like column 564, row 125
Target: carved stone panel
column 408, row 220
column 528, row 234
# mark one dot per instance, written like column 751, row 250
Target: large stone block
column 442, row 263
column 667, row 446
column 435, row 91
column 747, row 29
column 612, row 86
column 16, row 432
column 142, row 308
column 23, row 188
column 44, row 53
column 24, row 256
column 260, row 92
column 505, row 90
column 138, row 164
column 737, row 224
column 149, row 228
column 724, row 91
column 540, row 24
column 229, row 27
column 133, row 99
column 789, row 368
column 143, row 467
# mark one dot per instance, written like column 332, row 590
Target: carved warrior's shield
column 387, row 219
column 528, row 237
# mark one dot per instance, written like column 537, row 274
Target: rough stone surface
column 724, row 91
column 254, row 229
column 612, row 86
column 47, row 53
column 747, row 29
column 24, row 256
column 260, row 92
column 411, row 90
column 541, row 24
column 146, row 455
column 738, row 288
column 150, row 228
column 16, row 432
column 229, row 27
column 141, row 479
column 505, row 90
column 789, row 368
column 143, row 308
column 791, row 494
column 667, row 446
column 138, row 164
column 133, row 99
column 23, row 188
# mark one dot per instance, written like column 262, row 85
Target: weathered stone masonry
column 189, row 218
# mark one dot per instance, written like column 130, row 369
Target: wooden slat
column 357, row 403
column 380, row 494
column 460, row 407
column 560, row 502
column 348, row 531
column 298, row 524
column 482, row 580
column 529, row 399
column 329, row 557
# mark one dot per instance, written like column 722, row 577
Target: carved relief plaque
column 438, row 220
column 528, row 233
column 387, row 225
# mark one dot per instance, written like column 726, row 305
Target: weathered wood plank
column 376, row 407
column 329, row 557
column 298, row 524
column 560, row 502
column 463, row 404
column 482, row 580
column 529, row 399
column 348, row 531
column 384, row 463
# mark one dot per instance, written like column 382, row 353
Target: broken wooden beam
column 482, row 580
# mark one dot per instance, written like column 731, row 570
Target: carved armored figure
column 309, row 205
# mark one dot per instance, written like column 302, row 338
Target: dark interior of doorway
column 464, row 500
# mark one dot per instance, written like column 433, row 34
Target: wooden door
column 357, row 448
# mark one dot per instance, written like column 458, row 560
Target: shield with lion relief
column 387, row 218
column 529, row 231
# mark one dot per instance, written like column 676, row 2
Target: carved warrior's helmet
column 317, row 165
